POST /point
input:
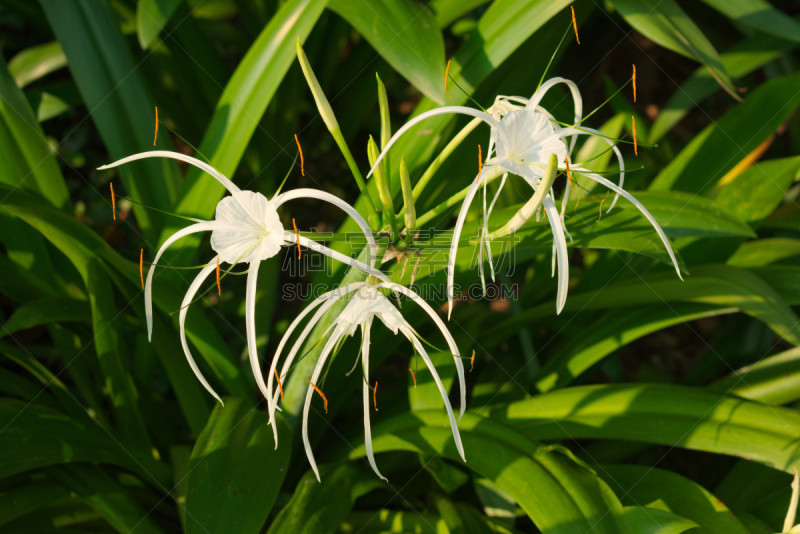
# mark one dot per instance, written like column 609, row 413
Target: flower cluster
column 525, row 140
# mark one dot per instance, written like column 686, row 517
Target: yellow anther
column 155, row 136
column 297, row 237
column 321, row 394
column 635, row 145
column 569, row 173
column 413, row 376
column 446, row 76
column 280, row 387
column 141, row 266
column 575, row 25
column 634, row 83
column 472, row 361
column 219, row 287
column 302, row 161
column 113, row 201
column 374, row 396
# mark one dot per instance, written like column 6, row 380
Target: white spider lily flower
column 365, row 304
column 523, row 138
column 246, row 229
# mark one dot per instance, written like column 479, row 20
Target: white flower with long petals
column 523, row 138
column 365, row 304
column 246, row 229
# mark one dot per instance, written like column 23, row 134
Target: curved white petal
column 323, row 357
column 614, row 187
column 250, row 324
column 561, row 251
column 365, row 331
column 187, row 300
column 453, row 426
column 451, row 259
column 462, row 110
column 327, row 300
column 339, row 203
column 451, row 343
column 221, row 178
column 591, row 131
column 205, row 226
column 322, row 249
column 536, row 99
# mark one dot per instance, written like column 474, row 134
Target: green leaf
column 719, row 147
column 742, row 59
column 406, row 34
column 667, row 24
column 765, row 251
column 46, row 311
column 115, row 503
column 319, row 507
column 26, row 498
column 557, row 492
column 667, row 491
column 720, row 285
column 235, row 472
column 646, row 520
column 36, row 437
column 113, row 89
column 244, row 101
column 612, row 330
column 25, row 154
column 118, row 384
column 773, row 380
column 756, row 192
column 151, row 17
column 759, row 15
column 676, row 416
column 36, row 62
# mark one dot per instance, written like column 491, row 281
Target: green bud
column 323, row 105
column 409, row 212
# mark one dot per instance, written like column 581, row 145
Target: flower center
column 247, row 228
column 527, row 137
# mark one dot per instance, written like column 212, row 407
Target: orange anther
column 280, row 387
column 155, row 136
column 374, row 396
column 480, row 160
column 113, row 201
column 302, row 161
column 575, row 25
column 219, row 287
column 472, row 361
column 297, row 237
column 634, row 83
column 569, row 173
column 446, row 76
column 141, row 266
column 321, row 394
column 413, row 376
column 600, row 210
column 635, row 146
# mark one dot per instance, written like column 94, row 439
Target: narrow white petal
column 339, row 203
column 451, row 260
column 561, row 251
column 453, row 426
column 322, row 249
column 187, row 300
column 365, row 331
column 250, row 323
column 617, row 189
column 221, row 178
column 533, row 103
column 463, row 110
column 148, row 286
column 329, row 299
column 451, row 343
column 591, row 131
column 323, row 357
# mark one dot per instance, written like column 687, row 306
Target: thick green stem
column 383, row 187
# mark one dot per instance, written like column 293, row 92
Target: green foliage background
column 649, row 405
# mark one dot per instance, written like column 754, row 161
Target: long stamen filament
column 472, row 361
